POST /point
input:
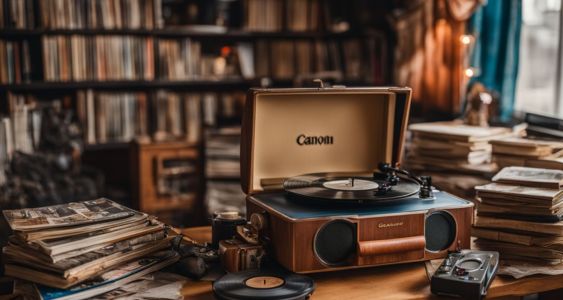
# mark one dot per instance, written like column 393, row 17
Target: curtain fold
column 496, row 27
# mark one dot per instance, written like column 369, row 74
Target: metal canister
column 224, row 226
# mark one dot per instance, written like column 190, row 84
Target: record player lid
column 289, row 132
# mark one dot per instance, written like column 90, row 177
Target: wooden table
column 407, row 281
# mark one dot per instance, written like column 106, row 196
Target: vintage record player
column 363, row 210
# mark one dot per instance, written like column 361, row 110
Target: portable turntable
column 311, row 165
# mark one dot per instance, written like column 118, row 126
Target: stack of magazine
column 520, row 215
column 78, row 250
column 452, row 146
column 520, row 151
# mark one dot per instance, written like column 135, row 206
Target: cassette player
column 321, row 170
column 466, row 274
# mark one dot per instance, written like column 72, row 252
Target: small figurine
column 477, row 109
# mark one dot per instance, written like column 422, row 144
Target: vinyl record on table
column 263, row 284
column 347, row 189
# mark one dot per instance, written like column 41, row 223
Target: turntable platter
column 347, row 189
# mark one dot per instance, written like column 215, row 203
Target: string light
column 466, row 39
column 469, row 72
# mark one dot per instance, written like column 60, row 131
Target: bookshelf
column 180, row 82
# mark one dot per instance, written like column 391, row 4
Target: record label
column 351, row 184
column 264, row 282
column 274, row 284
column 334, row 187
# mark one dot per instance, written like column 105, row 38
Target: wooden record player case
column 351, row 130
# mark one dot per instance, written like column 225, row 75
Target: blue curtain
column 496, row 27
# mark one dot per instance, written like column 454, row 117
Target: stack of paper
column 520, row 215
column 518, row 151
column 92, row 243
column 452, row 146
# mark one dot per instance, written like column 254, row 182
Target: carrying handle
column 390, row 246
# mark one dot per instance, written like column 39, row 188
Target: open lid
column 290, row 132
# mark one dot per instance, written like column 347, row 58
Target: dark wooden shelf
column 223, row 178
column 190, row 85
column 107, row 146
column 184, row 32
column 226, row 83
column 124, row 145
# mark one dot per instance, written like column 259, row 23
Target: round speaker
column 335, row 242
column 439, row 231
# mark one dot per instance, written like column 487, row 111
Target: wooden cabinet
column 167, row 181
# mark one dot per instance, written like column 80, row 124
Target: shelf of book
column 186, row 32
column 224, row 83
column 190, row 85
column 155, row 69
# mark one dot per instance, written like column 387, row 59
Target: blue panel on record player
column 293, row 209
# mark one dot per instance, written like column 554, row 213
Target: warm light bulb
column 469, row 72
column 466, row 39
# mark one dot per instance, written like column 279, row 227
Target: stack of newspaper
column 452, row 146
column 520, row 215
column 519, row 151
column 78, row 250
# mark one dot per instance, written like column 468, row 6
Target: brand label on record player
column 387, row 225
column 304, row 140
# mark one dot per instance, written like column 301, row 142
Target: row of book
column 127, row 116
column 179, row 59
column 95, row 14
column 282, row 59
column 115, row 116
column 350, row 59
column 520, row 215
column 15, row 62
column 83, row 249
column 263, row 15
column 272, row 15
column 111, row 57
column 17, row 14
column 76, row 58
column 19, row 131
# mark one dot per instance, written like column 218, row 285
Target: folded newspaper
column 70, row 214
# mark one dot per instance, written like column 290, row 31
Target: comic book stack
column 520, row 215
column 78, row 250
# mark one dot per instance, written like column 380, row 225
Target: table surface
column 406, row 281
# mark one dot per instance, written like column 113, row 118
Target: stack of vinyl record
column 83, row 249
column 520, row 215
column 452, row 146
column 519, row 151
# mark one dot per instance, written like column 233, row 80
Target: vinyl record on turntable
column 264, row 284
column 347, row 189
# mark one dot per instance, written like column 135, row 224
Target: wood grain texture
column 406, row 281
column 146, row 161
column 392, row 239
column 388, row 228
column 397, row 245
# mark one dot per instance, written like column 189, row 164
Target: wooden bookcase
column 136, row 166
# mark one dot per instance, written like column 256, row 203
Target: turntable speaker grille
column 439, row 231
column 335, row 242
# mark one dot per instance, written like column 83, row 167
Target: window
column 540, row 86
